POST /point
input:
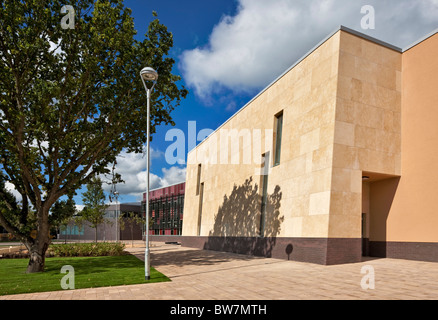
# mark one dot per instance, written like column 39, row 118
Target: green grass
column 90, row 272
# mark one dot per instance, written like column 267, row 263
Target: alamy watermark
column 224, row 146
column 369, row 19
column 68, row 281
column 68, row 21
column 368, row 280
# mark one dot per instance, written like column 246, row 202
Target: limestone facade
column 342, row 127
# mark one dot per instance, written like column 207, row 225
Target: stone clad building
column 336, row 159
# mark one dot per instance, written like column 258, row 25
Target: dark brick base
column 421, row 251
column 326, row 251
column 159, row 238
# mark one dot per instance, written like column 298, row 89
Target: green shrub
column 86, row 249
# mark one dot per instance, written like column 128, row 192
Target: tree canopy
column 71, row 99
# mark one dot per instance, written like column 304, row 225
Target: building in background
column 110, row 230
column 351, row 164
column 166, row 206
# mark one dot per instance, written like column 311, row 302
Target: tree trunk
column 95, row 234
column 37, row 259
column 38, row 246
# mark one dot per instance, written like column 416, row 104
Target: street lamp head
column 149, row 74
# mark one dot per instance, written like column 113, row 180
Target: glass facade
column 166, row 210
column 72, row 231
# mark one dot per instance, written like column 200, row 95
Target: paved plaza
column 200, row 274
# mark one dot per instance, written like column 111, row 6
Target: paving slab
column 211, row 275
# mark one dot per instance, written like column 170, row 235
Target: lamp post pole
column 117, row 215
column 147, row 253
column 148, row 74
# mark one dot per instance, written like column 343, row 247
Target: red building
column 166, row 207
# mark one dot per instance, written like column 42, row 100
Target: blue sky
column 191, row 22
column 226, row 51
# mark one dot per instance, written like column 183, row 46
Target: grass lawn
column 90, row 272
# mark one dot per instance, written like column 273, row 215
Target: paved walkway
column 199, row 274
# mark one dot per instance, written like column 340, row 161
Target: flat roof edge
column 272, row 83
column 331, row 34
column 372, row 39
column 421, row 40
column 170, row 185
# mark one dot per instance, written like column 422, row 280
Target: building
column 166, row 206
column 336, row 159
column 111, row 230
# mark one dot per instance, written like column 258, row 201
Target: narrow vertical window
column 198, row 181
column 201, row 196
column 264, row 188
column 278, row 132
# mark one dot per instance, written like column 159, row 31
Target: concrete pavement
column 199, row 275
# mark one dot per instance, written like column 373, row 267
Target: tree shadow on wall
column 237, row 222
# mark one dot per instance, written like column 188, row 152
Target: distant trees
column 94, row 201
column 131, row 220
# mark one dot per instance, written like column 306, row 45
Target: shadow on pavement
column 194, row 257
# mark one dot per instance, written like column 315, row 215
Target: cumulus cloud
column 11, row 188
column 249, row 50
column 173, row 175
column 56, row 47
column 132, row 168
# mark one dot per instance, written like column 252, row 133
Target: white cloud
column 132, row 168
column 43, row 144
column 56, row 47
column 250, row 49
column 11, row 188
column 173, row 175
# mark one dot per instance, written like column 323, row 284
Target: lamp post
column 148, row 74
column 116, row 194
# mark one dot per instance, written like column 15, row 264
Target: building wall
column 106, row 231
column 402, row 210
column 413, row 216
column 367, row 129
column 298, row 187
column 354, row 107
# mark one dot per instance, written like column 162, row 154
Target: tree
column 131, row 219
column 62, row 213
column 15, row 216
column 71, row 100
column 94, row 201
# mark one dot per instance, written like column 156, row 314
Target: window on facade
column 72, row 231
column 264, row 188
column 277, row 136
column 201, row 196
column 198, row 183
